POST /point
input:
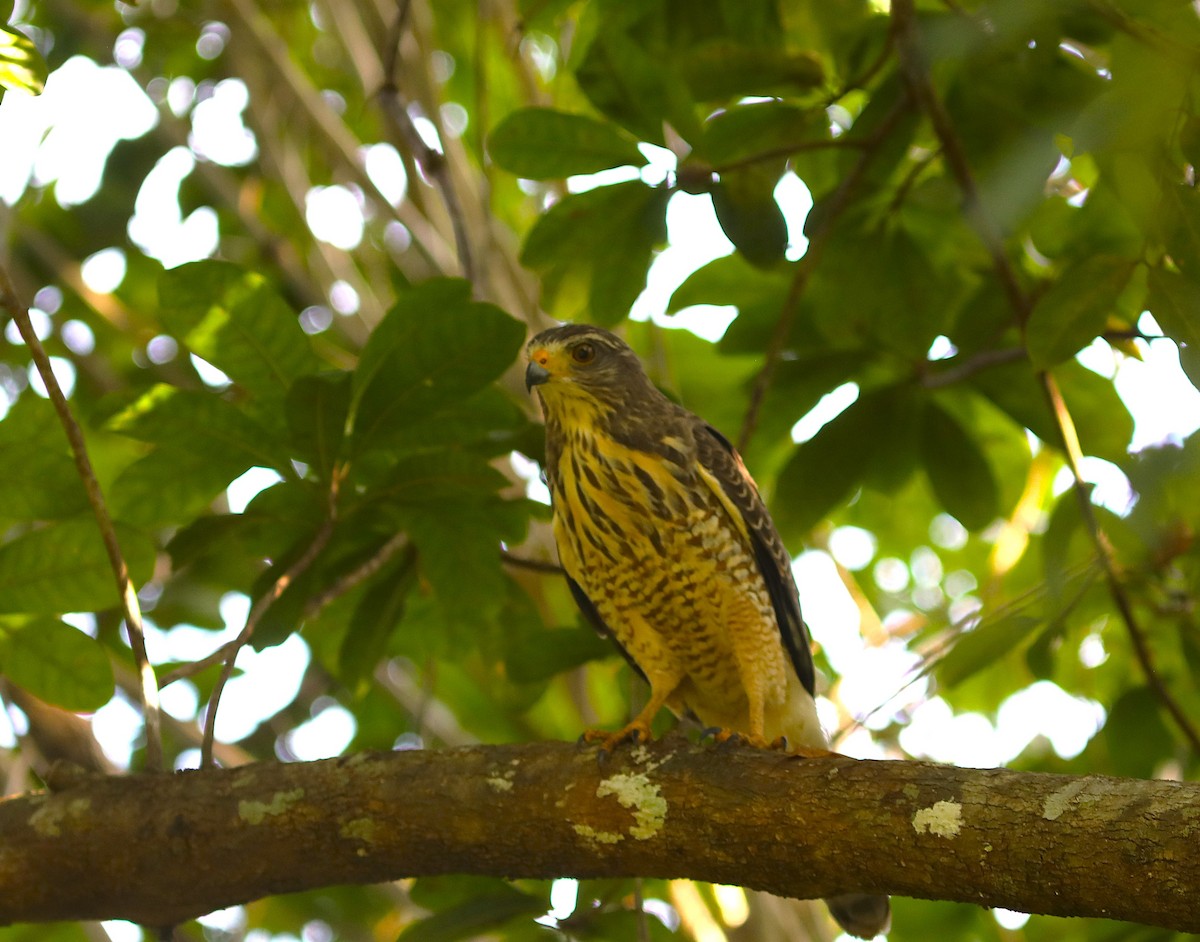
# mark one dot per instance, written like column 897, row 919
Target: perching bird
column 670, row 552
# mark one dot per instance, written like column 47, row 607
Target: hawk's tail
column 861, row 915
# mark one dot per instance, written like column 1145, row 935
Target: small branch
column 908, row 49
column 347, row 582
column 432, row 162
column 1116, row 587
column 322, row 118
column 861, row 80
column 910, row 179
column 343, row 585
column 162, row 849
column 960, row 370
column 148, row 685
column 536, row 565
column 229, row 652
column 804, row 268
column 789, row 149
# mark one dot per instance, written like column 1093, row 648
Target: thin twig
column 347, row 582
column 1141, row 648
column 260, row 608
column 965, row 369
column 910, row 179
column 804, row 268
column 344, row 145
column 975, row 621
column 904, row 17
column 311, row 609
column 536, row 565
column 148, row 689
column 432, row 162
column 913, row 67
column 787, row 150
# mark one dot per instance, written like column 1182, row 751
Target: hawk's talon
column 636, row 732
column 729, row 737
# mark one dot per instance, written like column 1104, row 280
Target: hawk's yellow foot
column 635, row 732
column 733, row 737
column 670, row 552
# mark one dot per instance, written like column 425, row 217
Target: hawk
column 670, row 552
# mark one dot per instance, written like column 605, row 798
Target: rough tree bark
column 158, row 849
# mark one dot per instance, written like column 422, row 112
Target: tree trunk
column 159, row 849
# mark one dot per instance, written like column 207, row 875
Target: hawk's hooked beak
column 535, row 375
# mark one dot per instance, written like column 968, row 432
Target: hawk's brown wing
column 719, row 458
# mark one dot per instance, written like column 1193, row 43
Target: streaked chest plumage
column 667, row 568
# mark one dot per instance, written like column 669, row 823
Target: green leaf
column 958, row 470
column 201, row 423
column 630, row 85
column 41, row 481
column 459, row 555
column 435, row 347
column 829, row 467
column 1101, row 418
column 543, row 654
column 374, row 620
column 56, row 663
column 984, row 646
column 899, row 298
column 169, row 486
column 1175, row 303
column 469, row 919
column 317, row 410
column 744, row 201
column 237, row 322
column 450, row 476
column 772, row 127
column 1138, row 740
column 724, row 68
column 593, row 250
column 21, row 65
column 543, row 144
column 1075, row 309
column 488, row 421
column 63, row 567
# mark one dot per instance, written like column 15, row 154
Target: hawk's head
column 580, row 363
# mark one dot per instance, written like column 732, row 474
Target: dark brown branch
column 803, row 828
column 148, row 684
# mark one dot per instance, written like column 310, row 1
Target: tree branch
column 260, row 608
column 148, row 685
column 804, row 828
column 1116, row 587
column 432, row 162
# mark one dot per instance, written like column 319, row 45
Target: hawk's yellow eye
column 583, row 353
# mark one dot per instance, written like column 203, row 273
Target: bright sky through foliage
column 64, row 137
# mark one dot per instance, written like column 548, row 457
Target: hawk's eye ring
column 583, row 353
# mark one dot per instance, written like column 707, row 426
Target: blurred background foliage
column 297, row 247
